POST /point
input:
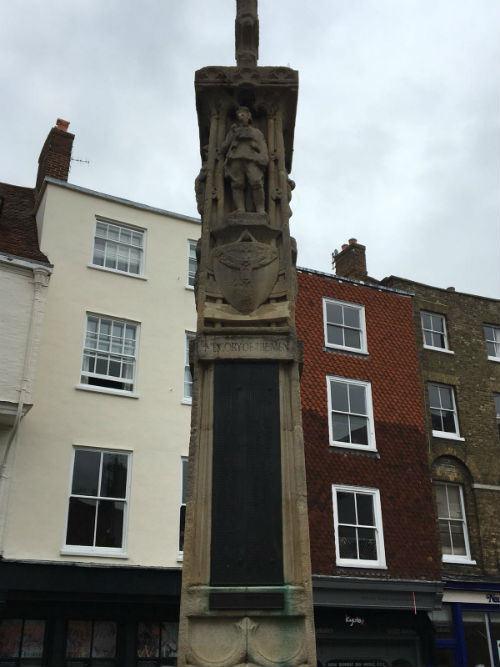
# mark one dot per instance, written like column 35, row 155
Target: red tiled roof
column 18, row 232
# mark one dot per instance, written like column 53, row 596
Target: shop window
column 452, row 523
column 91, row 643
column 21, row 642
column 98, row 502
column 479, row 640
column 359, row 539
column 345, row 327
column 157, row 643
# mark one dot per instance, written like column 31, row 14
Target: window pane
column 148, row 640
column 351, row 317
column 347, row 542
column 446, row 399
column 426, row 321
column 340, row 427
column 113, row 232
column 448, row 422
column 125, row 235
column 104, row 644
column 364, row 504
column 114, row 475
column 434, row 396
column 357, row 399
column 109, row 524
column 182, row 525
column 185, row 469
column 359, row 430
column 81, row 522
column 367, row 544
column 10, row 637
column 454, row 505
column 334, row 313
column 101, row 229
column 33, row 636
column 437, row 424
column 442, row 505
column 438, row 340
column 457, row 538
column 444, row 532
column 352, row 338
column 428, row 340
column 346, row 509
column 437, row 323
column 492, row 350
column 78, row 639
column 101, row 366
column 340, row 401
column 334, row 335
column 86, row 472
column 169, row 633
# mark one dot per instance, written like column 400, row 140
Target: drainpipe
column 40, row 281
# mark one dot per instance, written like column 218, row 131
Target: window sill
column 106, row 390
column 362, row 564
column 447, row 436
column 190, row 288
column 497, row 359
column 180, row 557
column 351, row 350
column 187, row 401
column 89, row 551
column 120, row 273
column 438, row 349
column 357, row 448
column 459, row 560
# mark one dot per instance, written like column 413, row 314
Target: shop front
column 468, row 625
column 368, row 623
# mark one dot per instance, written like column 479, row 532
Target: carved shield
column 246, row 272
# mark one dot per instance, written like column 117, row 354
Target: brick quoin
column 400, row 471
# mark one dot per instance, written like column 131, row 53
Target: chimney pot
column 344, row 246
column 62, row 124
column 450, row 289
column 351, row 241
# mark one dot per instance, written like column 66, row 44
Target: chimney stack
column 350, row 262
column 55, row 155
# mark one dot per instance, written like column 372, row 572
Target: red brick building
column 374, row 542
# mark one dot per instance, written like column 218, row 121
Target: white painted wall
column 154, row 426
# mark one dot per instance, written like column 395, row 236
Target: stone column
column 246, row 587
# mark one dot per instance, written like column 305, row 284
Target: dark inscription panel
column 247, row 547
column 246, row 600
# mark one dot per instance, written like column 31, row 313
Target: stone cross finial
column 246, row 33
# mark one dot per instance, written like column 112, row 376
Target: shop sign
column 354, row 620
column 493, row 597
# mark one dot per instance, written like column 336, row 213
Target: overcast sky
column 396, row 141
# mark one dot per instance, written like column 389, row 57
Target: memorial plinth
column 246, row 587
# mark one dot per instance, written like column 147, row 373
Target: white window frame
column 187, row 400
column 436, row 348
column 191, row 250
column 451, row 558
column 85, row 550
column 83, row 373
column 445, row 434
column 182, row 502
column 120, row 225
column 372, row 445
column 362, row 322
column 380, row 563
column 495, row 341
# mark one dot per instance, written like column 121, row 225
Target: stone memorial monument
column 246, row 585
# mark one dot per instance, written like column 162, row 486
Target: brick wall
column 399, row 469
column 475, row 459
column 55, row 156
